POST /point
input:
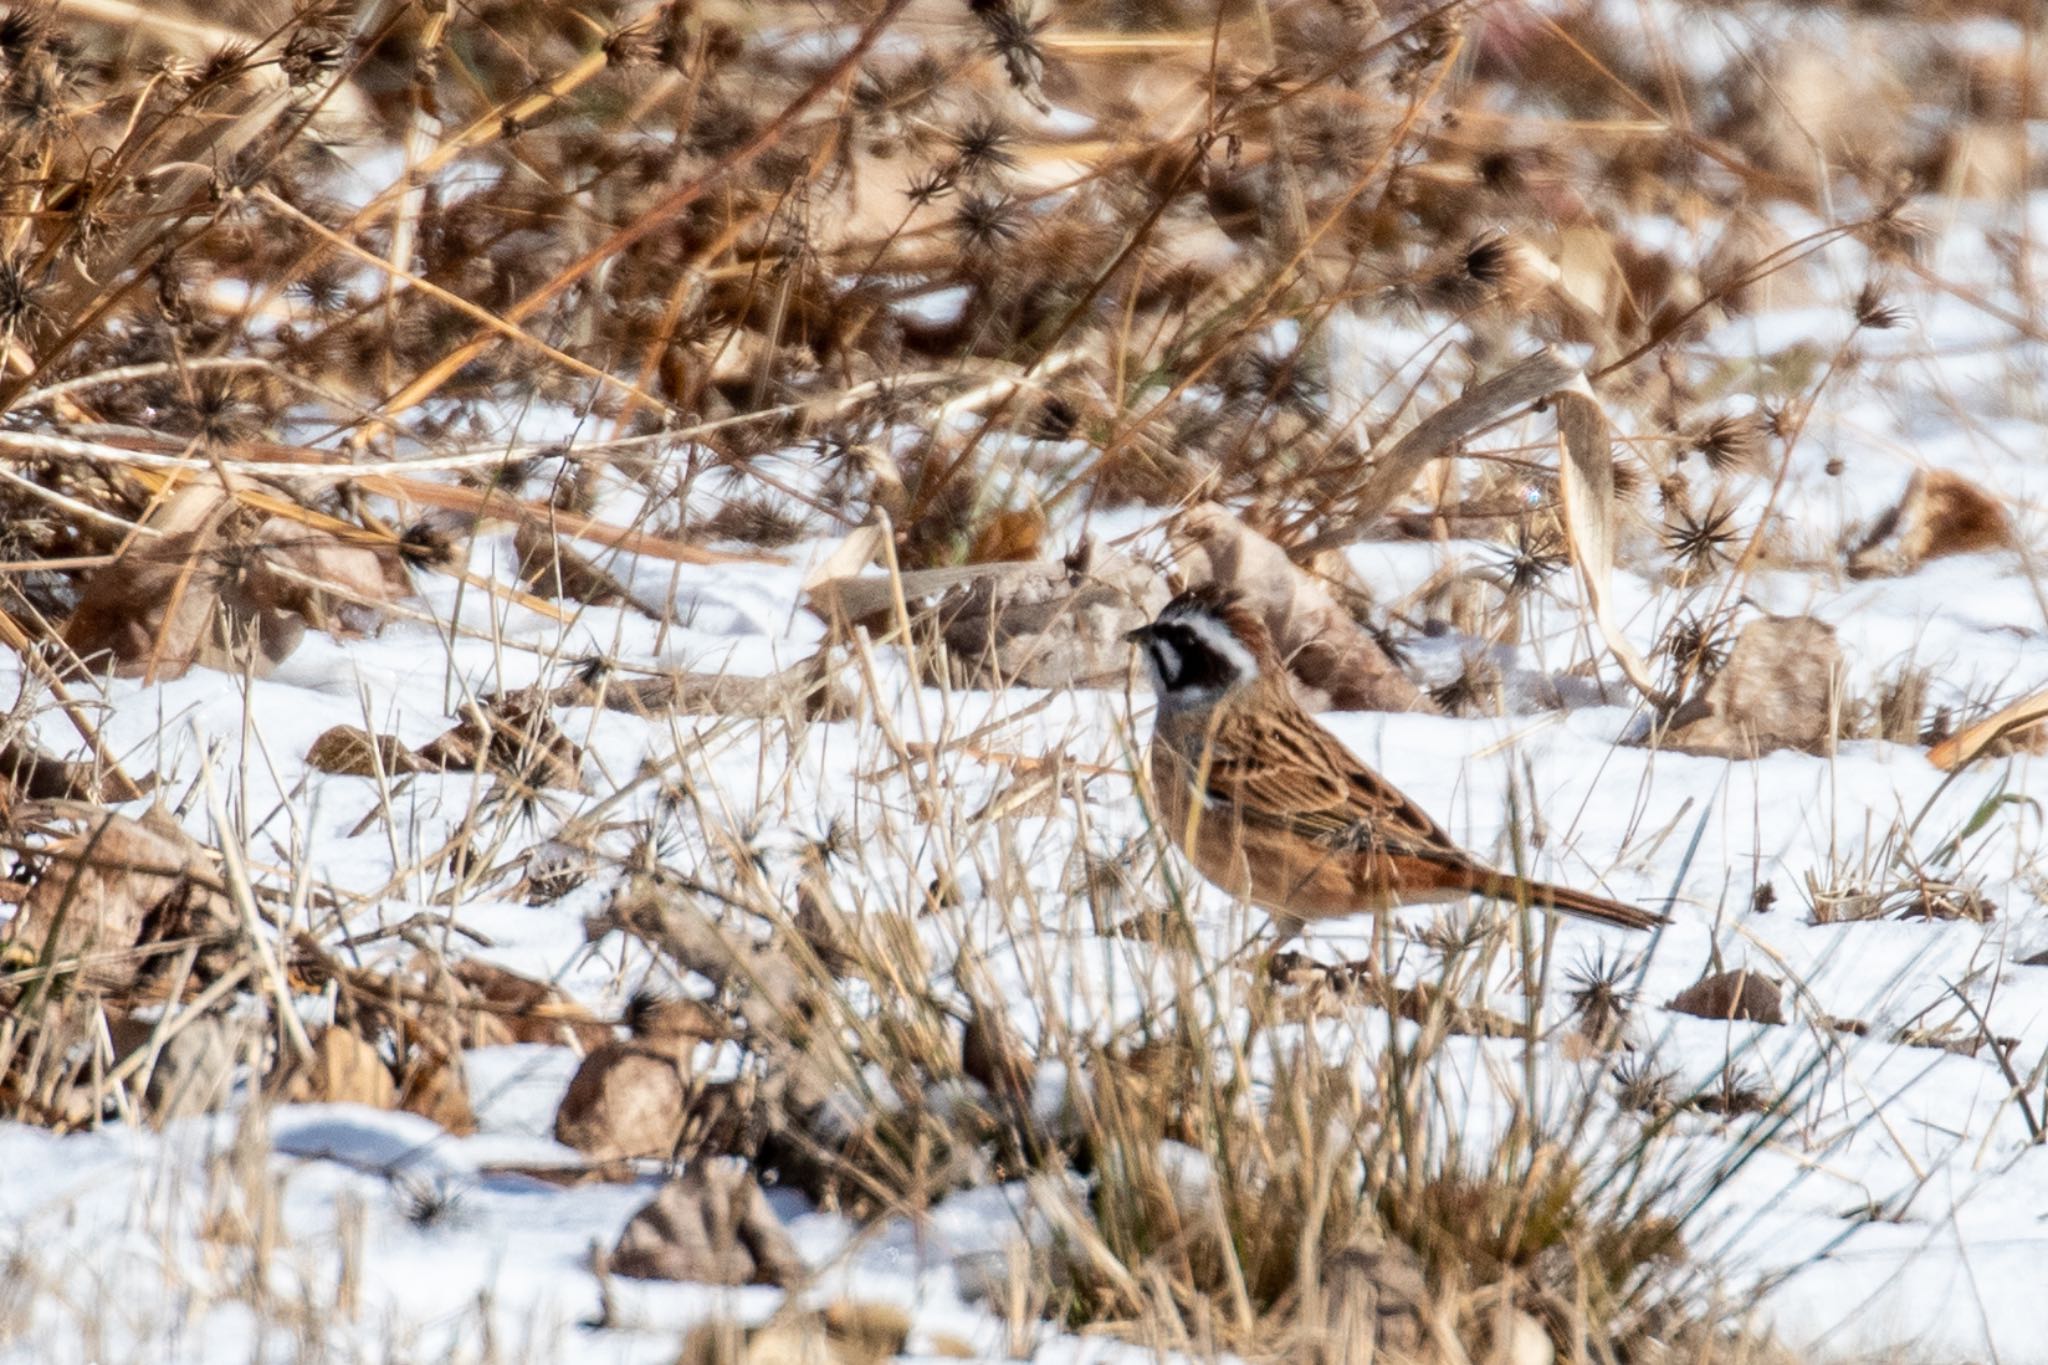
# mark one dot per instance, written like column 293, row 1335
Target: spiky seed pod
column 22, row 32
column 35, row 97
column 1056, row 419
column 981, row 147
column 1014, row 35
column 1396, row 650
column 1736, row 1092
column 223, row 66
column 1630, row 478
column 427, row 545
column 630, row 47
column 1643, row 1086
column 1696, row 647
column 1475, row 691
column 754, row 521
column 1730, row 442
column 1452, row 937
column 1700, row 543
column 323, row 288
column 222, row 415
column 985, row 222
column 1896, row 232
column 929, row 185
column 1494, row 267
column 17, row 295
column 1600, row 997
column 1507, row 171
column 309, row 55
column 1875, row 313
column 1530, row 561
column 1425, row 46
column 430, row 1204
column 838, row 843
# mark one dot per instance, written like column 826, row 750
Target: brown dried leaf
column 351, row 751
column 1939, row 514
column 1777, row 691
column 1015, row 537
column 194, row 1070
column 344, row 1069
column 1394, row 471
column 512, row 739
column 224, row 588
column 626, row 1100
column 1731, row 995
column 435, row 1088
column 42, row 777
column 1050, row 625
column 116, row 886
column 713, row 1226
column 548, row 567
column 528, row 1011
column 811, row 689
column 2007, row 723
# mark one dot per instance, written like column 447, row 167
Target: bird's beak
column 1138, row 636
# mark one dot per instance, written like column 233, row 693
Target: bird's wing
column 1293, row 774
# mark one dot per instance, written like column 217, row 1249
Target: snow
column 1898, row 1207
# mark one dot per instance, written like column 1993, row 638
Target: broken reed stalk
column 1527, row 381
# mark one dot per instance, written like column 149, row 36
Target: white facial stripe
column 1217, row 636
column 1165, row 663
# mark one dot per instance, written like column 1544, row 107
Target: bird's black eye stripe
column 1200, row 664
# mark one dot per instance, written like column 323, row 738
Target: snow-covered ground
column 1895, row 1202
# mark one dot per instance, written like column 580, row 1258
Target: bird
column 1271, row 807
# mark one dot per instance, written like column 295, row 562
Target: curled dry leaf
column 811, row 689
column 344, row 1069
column 1939, row 514
column 633, row 1098
column 550, row 568
column 1032, row 625
column 1395, row 469
column 766, row 989
column 225, row 587
column 42, row 777
column 673, row 1022
column 1585, row 490
column 1013, row 537
column 351, row 751
column 713, row 1226
column 2020, row 719
column 993, row 1054
column 1732, row 995
column 1051, row 625
column 513, row 738
column 522, row 1010
column 435, row 1088
column 1778, row 690
column 193, row 1072
column 117, row 886
column 625, row 1101
column 1335, row 663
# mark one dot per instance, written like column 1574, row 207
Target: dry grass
column 309, row 269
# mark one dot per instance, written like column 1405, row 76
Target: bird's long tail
column 1563, row 899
